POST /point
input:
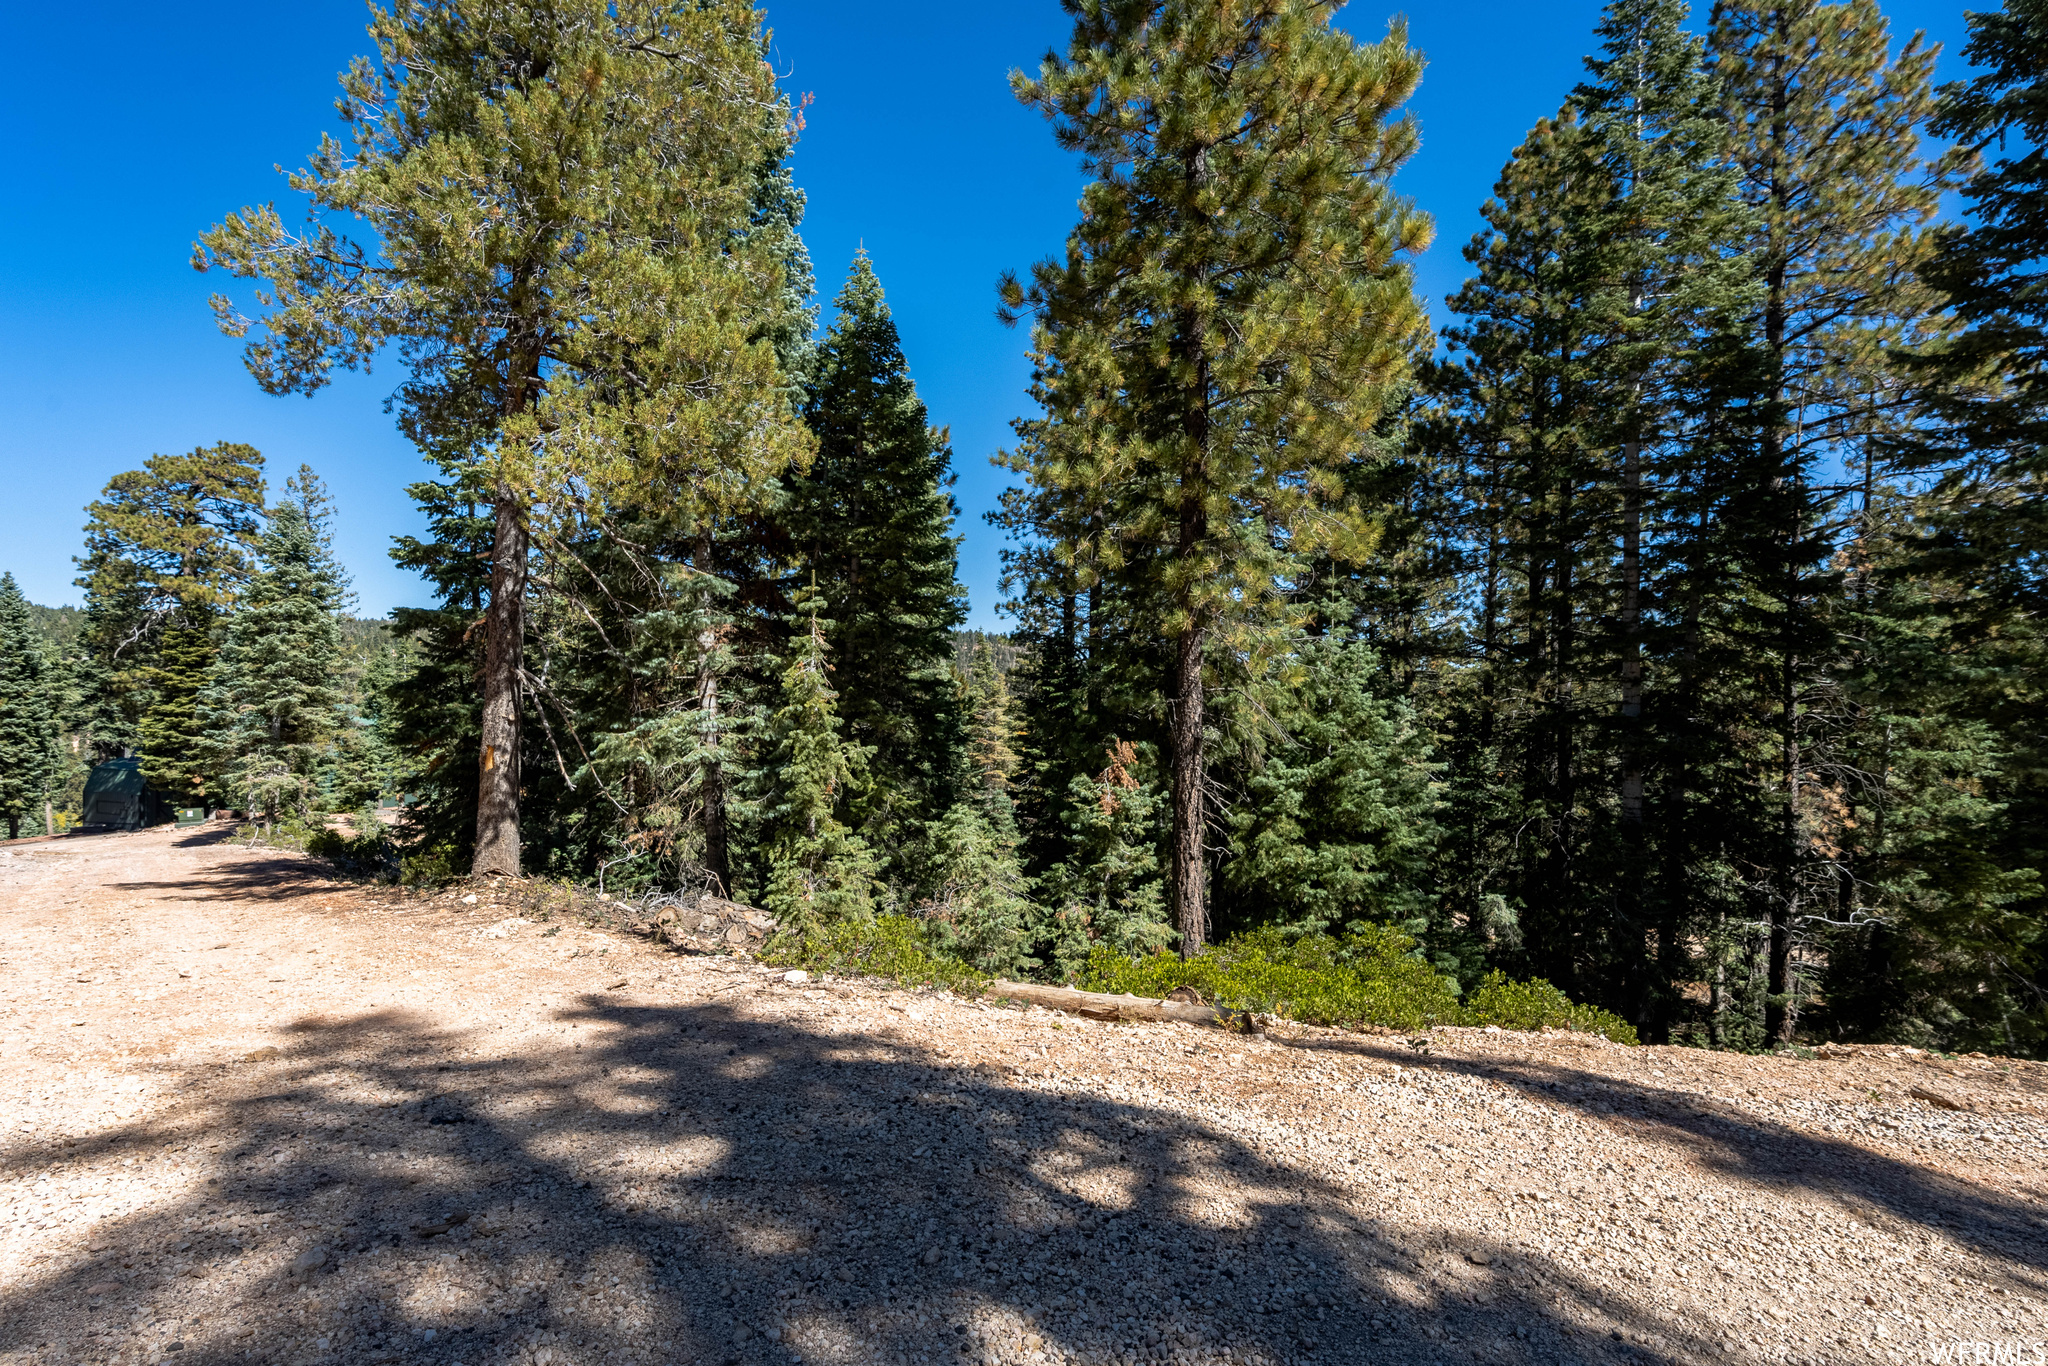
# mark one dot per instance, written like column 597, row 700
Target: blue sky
column 137, row 125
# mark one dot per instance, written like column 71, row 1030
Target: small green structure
column 117, row 797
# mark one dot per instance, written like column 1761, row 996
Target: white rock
column 799, row 976
column 469, row 900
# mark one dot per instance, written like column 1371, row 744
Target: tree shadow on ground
column 681, row 1184
column 282, row 876
column 1743, row 1146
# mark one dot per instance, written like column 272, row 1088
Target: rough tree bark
column 497, row 793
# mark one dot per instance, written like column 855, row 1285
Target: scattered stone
column 796, row 978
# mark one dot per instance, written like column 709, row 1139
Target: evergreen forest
column 1657, row 635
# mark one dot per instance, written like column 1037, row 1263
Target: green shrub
column 1539, row 1005
column 898, row 947
column 1366, row 977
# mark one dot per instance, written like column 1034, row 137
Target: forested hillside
column 1656, row 643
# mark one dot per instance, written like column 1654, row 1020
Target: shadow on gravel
column 205, row 836
column 1749, row 1148
column 686, row 1181
column 283, row 876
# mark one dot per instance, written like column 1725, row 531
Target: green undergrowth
column 1368, row 977
column 896, row 947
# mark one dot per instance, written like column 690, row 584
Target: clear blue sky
column 134, row 126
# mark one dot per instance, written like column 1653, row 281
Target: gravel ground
column 259, row 1116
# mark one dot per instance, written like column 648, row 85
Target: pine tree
column 271, row 706
column 27, row 726
column 870, row 522
column 1984, row 395
column 1232, row 314
column 562, row 216
column 166, row 554
column 818, row 870
column 990, row 750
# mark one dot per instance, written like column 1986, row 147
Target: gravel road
column 255, row 1115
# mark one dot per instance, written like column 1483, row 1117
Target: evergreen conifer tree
column 818, row 870
column 271, row 706
column 563, row 217
column 1336, row 825
column 981, row 904
column 27, row 726
column 1232, row 315
column 871, row 523
column 1109, row 893
column 1824, row 127
column 166, row 554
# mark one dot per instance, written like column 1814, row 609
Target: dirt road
column 254, row 1115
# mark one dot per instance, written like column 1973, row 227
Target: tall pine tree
column 1232, row 316
column 560, row 218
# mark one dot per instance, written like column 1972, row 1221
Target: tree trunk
column 717, row 841
column 13, row 825
column 1190, row 908
column 1778, row 1016
column 1631, row 643
column 497, row 794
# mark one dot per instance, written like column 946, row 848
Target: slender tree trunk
column 1189, row 890
column 14, row 825
column 1190, row 908
column 1778, row 1015
column 1632, row 643
column 717, row 841
column 497, row 794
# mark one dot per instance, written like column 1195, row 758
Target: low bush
column 1368, row 977
column 900, row 948
column 1538, row 1005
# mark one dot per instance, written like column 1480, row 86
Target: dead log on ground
column 1101, row 1005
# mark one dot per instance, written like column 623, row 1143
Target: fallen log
column 1102, row 1005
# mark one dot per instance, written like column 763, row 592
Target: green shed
column 116, row 796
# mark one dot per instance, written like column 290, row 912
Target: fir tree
column 271, row 705
column 870, row 522
column 818, row 870
column 1825, row 131
column 981, row 904
column 1232, row 313
column 1109, row 894
column 27, row 727
column 1983, row 395
column 1335, row 827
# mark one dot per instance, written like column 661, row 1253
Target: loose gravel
column 256, row 1115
